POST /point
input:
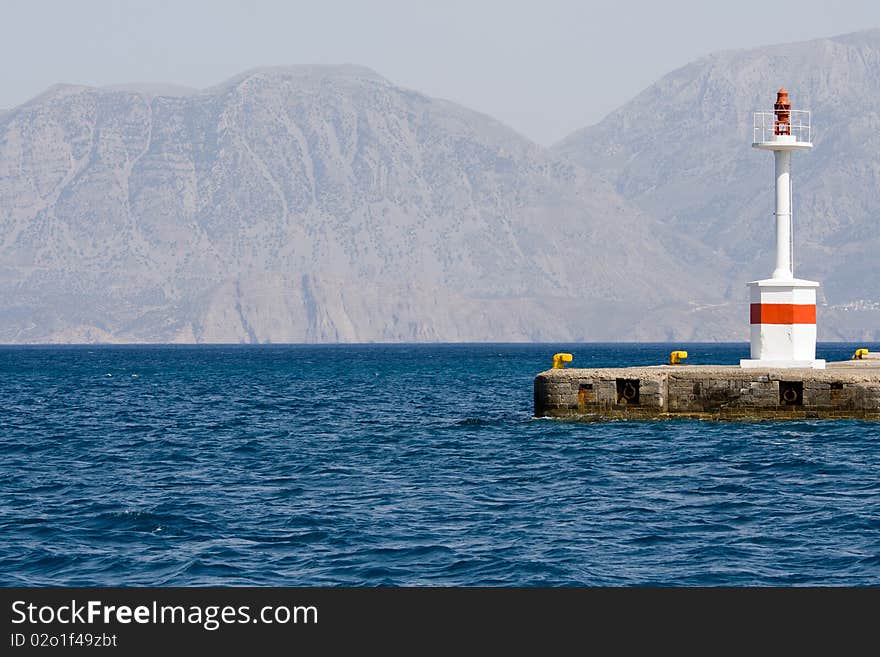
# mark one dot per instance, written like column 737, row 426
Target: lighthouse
column 782, row 380
column 782, row 307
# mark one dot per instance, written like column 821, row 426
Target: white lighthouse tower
column 783, row 308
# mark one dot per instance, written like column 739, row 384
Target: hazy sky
column 545, row 67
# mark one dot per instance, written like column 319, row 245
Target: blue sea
column 408, row 465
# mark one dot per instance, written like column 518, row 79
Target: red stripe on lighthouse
column 783, row 313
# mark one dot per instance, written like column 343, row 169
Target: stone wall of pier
column 707, row 392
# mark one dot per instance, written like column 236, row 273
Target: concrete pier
column 847, row 389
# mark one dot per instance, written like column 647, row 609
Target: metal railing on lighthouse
column 766, row 125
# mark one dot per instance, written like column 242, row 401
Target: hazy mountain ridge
column 309, row 204
column 681, row 152
column 327, row 204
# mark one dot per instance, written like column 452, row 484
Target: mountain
column 316, row 204
column 680, row 152
column 302, row 204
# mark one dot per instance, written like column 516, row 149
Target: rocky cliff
column 680, row 152
column 310, row 204
column 307, row 204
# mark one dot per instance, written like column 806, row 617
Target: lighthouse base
column 747, row 363
column 783, row 324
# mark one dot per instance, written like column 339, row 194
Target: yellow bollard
column 559, row 360
column 676, row 357
column 860, row 354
